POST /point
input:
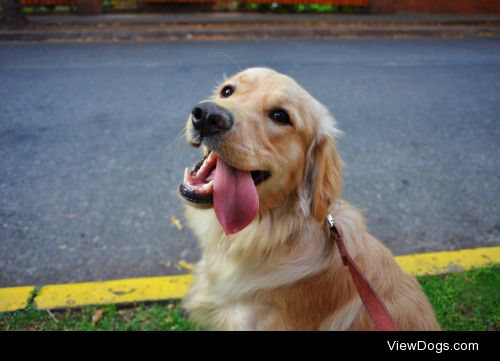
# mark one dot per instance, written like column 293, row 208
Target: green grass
column 467, row 300
column 276, row 7
column 463, row 301
column 160, row 316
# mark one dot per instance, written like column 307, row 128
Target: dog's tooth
column 212, row 156
column 200, row 171
column 186, row 174
column 207, row 188
column 206, row 163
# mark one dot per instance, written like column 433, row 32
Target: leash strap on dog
column 374, row 305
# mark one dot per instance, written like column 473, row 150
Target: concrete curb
column 264, row 18
column 237, row 26
column 175, row 287
column 87, row 35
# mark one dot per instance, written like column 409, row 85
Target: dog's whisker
column 230, row 58
column 174, row 145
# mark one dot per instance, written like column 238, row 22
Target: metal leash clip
column 330, row 220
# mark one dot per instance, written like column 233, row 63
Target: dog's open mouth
column 198, row 184
column 231, row 191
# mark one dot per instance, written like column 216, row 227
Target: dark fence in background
column 363, row 3
column 98, row 6
column 47, row 2
column 375, row 6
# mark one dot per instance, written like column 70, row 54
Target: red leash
column 374, row 305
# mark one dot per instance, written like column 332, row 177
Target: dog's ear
column 326, row 178
column 322, row 177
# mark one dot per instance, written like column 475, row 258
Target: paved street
column 91, row 148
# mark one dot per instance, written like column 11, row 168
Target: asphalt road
column 91, row 151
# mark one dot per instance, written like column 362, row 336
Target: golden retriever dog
column 257, row 202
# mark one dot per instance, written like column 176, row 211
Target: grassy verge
column 462, row 301
column 162, row 316
column 467, row 300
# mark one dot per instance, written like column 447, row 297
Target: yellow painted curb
column 15, row 298
column 118, row 291
column 448, row 261
column 175, row 287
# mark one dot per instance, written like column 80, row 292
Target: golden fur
column 282, row 272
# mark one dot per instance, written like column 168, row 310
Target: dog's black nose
column 209, row 119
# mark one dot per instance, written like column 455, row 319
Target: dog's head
column 267, row 143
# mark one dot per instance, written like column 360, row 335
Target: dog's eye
column 280, row 116
column 227, row 91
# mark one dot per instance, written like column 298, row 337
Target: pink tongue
column 236, row 202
